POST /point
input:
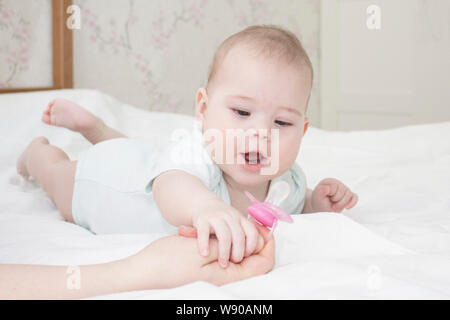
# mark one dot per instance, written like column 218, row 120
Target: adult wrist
column 140, row 273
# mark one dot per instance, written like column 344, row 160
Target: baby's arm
column 330, row 195
column 183, row 199
column 179, row 195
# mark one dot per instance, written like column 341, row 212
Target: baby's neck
column 238, row 198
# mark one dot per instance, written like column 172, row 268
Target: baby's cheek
column 289, row 150
column 286, row 163
column 282, row 161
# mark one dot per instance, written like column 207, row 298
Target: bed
column 395, row 244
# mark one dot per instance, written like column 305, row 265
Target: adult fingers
column 264, row 260
column 187, row 232
column 264, row 232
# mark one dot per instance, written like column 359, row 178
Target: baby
column 259, row 86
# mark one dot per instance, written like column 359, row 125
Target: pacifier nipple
column 278, row 192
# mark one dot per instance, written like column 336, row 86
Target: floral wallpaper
column 25, row 43
column 151, row 54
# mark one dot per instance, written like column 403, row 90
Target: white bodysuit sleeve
column 296, row 179
column 187, row 154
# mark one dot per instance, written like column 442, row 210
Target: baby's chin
column 245, row 177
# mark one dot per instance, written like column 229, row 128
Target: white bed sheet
column 394, row 244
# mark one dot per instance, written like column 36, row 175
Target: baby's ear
column 306, row 125
column 201, row 103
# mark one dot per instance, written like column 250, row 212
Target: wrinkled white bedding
column 394, row 244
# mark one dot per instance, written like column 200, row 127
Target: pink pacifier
column 267, row 213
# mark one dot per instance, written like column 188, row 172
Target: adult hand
column 174, row 261
column 165, row 263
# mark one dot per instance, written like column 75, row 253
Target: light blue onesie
column 113, row 183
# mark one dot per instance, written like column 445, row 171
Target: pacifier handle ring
column 251, row 197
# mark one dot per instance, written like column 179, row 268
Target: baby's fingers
column 203, row 231
column 190, row 232
column 251, row 236
column 223, row 235
column 340, row 192
column 352, row 202
column 339, row 206
column 238, row 239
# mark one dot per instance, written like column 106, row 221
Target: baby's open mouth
column 254, row 158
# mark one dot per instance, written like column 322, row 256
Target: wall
column 25, row 43
column 391, row 76
column 151, row 54
column 156, row 54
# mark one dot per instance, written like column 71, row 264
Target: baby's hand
column 331, row 195
column 236, row 234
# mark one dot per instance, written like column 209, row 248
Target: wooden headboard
column 62, row 50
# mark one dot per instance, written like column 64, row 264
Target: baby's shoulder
column 295, row 174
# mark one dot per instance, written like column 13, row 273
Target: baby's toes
column 46, row 117
column 51, row 103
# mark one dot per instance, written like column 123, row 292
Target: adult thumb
column 188, row 232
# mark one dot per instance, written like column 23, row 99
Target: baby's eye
column 241, row 112
column 283, row 124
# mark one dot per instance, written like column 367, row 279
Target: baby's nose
column 258, row 136
column 260, row 133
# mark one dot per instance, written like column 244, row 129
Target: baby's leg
column 54, row 171
column 63, row 113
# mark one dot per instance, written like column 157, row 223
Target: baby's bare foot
column 22, row 161
column 66, row 114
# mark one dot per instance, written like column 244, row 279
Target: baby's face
column 251, row 92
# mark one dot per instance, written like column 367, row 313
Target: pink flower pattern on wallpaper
column 15, row 54
column 167, row 23
column 113, row 31
column 143, row 38
column 115, row 38
column 258, row 11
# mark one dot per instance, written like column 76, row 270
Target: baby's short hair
column 269, row 40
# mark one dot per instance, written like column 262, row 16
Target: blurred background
column 378, row 64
